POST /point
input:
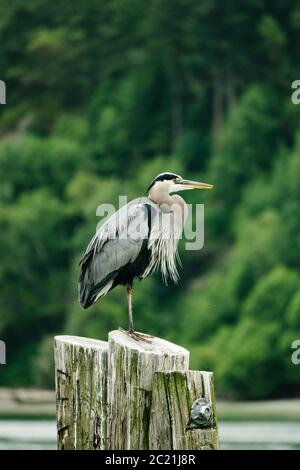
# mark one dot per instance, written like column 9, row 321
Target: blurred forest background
column 101, row 97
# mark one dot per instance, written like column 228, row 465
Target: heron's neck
column 167, row 202
column 160, row 196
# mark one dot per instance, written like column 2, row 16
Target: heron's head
column 172, row 183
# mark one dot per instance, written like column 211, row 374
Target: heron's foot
column 137, row 336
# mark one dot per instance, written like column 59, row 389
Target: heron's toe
column 137, row 336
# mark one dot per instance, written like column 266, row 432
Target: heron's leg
column 129, row 298
column 131, row 332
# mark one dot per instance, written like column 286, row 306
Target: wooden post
column 183, row 412
column 132, row 365
column 81, row 377
column 129, row 394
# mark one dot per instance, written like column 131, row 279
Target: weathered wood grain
column 131, row 394
column 171, row 426
column 132, row 365
column 81, row 392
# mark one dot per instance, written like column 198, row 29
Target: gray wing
column 116, row 243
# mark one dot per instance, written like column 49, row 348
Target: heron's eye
column 177, row 180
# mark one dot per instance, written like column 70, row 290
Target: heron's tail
column 85, row 287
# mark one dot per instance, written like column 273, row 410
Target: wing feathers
column 116, row 243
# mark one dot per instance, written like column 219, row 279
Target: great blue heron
column 140, row 237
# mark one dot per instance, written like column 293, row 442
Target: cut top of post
column 143, row 357
column 82, row 342
column 151, row 344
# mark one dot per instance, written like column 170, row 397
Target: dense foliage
column 102, row 96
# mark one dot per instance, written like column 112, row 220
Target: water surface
column 35, row 434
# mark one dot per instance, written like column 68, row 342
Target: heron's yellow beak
column 196, row 185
